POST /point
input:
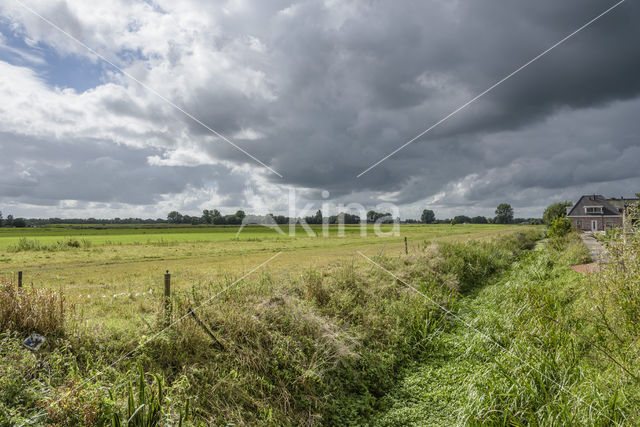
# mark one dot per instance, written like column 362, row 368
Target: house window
column 579, row 223
column 610, row 224
column 593, row 209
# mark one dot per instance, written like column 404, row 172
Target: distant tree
column 555, row 210
column 207, row 217
column 240, row 215
column 174, row 217
column 232, row 220
column 462, row 219
column 211, row 217
column 344, row 218
column 9, row 221
column 1, row 220
column 19, row 223
column 479, row 220
column 217, row 218
column 504, row 214
column 427, row 216
column 453, row 222
column 381, row 217
column 280, row 219
column 315, row 219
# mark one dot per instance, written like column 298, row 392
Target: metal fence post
column 19, row 279
column 406, row 247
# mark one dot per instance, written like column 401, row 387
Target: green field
column 136, row 258
column 116, row 280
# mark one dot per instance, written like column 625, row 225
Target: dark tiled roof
column 594, row 200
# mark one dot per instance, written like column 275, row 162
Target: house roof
column 594, row 200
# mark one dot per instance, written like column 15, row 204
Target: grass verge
column 546, row 346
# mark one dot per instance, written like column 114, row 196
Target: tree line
column 503, row 215
column 10, row 221
column 215, row 217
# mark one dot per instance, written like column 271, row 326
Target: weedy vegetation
column 540, row 345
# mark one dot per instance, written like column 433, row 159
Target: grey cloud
column 350, row 94
column 44, row 172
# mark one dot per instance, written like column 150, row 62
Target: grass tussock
column 25, row 244
column 31, row 310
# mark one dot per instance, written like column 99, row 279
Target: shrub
column 618, row 285
column 555, row 210
column 559, row 227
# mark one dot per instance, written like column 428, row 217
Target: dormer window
column 593, row 209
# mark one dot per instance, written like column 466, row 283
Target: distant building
column 595, row 213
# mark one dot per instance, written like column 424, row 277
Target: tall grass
column 572, row 342
column 149, row 408
column 31, row 310
column 25, row 244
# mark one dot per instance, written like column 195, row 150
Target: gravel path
column 596, row 249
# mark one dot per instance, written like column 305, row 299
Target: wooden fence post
column 19, row 279
column 167, row 297
column 406, row 247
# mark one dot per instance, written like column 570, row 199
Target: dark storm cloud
column 350, row 90
column 335, row 86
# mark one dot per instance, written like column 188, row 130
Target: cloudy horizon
column 318, row 91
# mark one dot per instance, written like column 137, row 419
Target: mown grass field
column 115, row 281
column 133, row 260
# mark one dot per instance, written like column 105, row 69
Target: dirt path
column 596, row 249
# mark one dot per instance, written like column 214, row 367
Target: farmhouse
column 596, row 213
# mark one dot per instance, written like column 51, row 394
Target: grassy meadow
column 107, row 261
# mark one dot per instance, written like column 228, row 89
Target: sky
column 136, row 108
